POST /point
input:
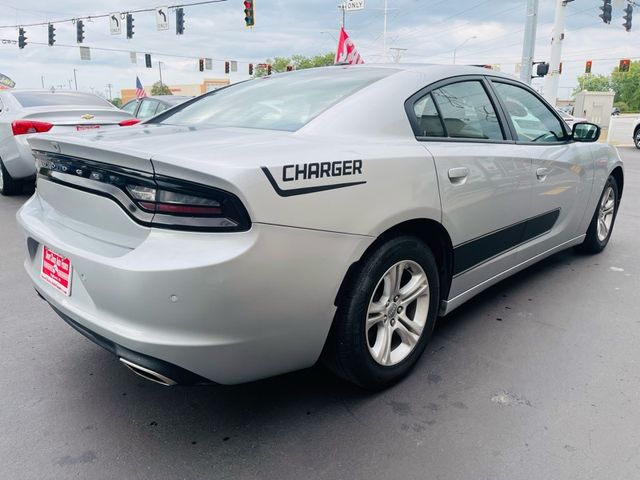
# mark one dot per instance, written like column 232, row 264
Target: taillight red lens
column 22, row 127
column 129, row 122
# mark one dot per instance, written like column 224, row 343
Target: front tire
column 636, row 138
column 386, row 316
column 8, row 186
column 604, row 218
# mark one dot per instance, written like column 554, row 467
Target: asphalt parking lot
column 539, row 377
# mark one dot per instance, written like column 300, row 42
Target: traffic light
column 79, row 31
column 560, row 69
column 179, row 21
column 251, row 69
column 22, row 40
column 607, row 10
column 129, row 21
column 625, row 65
column 201, row 64
column 226, row 67
column 269, row 69
column 249, row 17
column 587, row 68
column 147, row 60
column 52, row 35
column 628, row 17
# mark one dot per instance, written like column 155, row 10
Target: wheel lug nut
column 395, row 299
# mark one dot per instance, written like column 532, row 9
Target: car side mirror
column 586, row 132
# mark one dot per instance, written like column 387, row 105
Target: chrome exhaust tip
column 148, row 374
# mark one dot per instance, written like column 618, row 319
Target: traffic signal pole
column 553, row 79
column 529, row 45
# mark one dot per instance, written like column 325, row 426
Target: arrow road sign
column 162, row 18
column 115, row 23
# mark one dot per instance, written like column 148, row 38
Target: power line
column 105, row 15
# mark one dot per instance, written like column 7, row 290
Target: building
column 127, row 94
column 594, row 106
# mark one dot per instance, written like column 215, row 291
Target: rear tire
column 604, row 218
column 636, row 138
column 386, row 316
column 8, row 186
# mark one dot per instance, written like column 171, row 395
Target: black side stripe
column 305, row 190
column 471, row 254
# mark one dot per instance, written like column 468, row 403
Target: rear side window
column 467, row 111
column 130, row 107
column 147, row 109
column 46, row 99
column 531, row 118
column 429, row 122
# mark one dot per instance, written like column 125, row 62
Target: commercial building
column 207, row 85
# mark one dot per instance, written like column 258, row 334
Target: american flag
column 140, row 93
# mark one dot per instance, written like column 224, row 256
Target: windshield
column 283, row 102
column 45, row 99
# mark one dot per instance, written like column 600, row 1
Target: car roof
column 433, row 69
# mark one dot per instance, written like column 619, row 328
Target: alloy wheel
column 397, row 313
column 606, row 213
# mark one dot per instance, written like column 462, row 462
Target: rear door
column 562, row 169
column 485, row 186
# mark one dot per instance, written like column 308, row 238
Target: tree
column 627, row 86
column 117, row 102
column 299, row 62
column 593, row 83
column 160, row 89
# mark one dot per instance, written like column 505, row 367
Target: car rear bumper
column 229, row 308
column 18, row 159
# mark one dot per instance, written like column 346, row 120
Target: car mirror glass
column 586, row 132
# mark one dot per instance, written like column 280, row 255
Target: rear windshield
column 282, row 102
column 46, row 99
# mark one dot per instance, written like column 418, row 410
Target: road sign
column 115, row 23
column 85, row 53
column 352, row 5
column 162, row 18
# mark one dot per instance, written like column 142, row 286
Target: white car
column 24, row 113
column 327, row 214
column 570, row 119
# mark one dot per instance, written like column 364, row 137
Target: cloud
column 429, row 29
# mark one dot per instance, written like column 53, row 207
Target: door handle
column 542, row 173
column 458, row 175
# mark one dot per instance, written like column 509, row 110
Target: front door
column 562, row 169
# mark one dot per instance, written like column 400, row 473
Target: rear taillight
column 129, row 122
column 151, row 200
column 22, row 127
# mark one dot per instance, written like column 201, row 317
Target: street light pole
column 160, row 70
column 75, row 79
column 455, row 50
column 529, row 45
column 553, row 78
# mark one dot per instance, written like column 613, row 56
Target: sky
column 429, row 30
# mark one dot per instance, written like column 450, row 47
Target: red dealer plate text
column 56, row 270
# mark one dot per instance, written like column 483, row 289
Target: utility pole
column 160, row 70
column 384, row 33
column 69, row 80
column 42, row 80
column 397, row 53
column 75, row 79
column 529, row 45
column 553, row 79
column 109, row 86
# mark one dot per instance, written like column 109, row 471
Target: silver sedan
column 24, row 113
column 329, row 214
